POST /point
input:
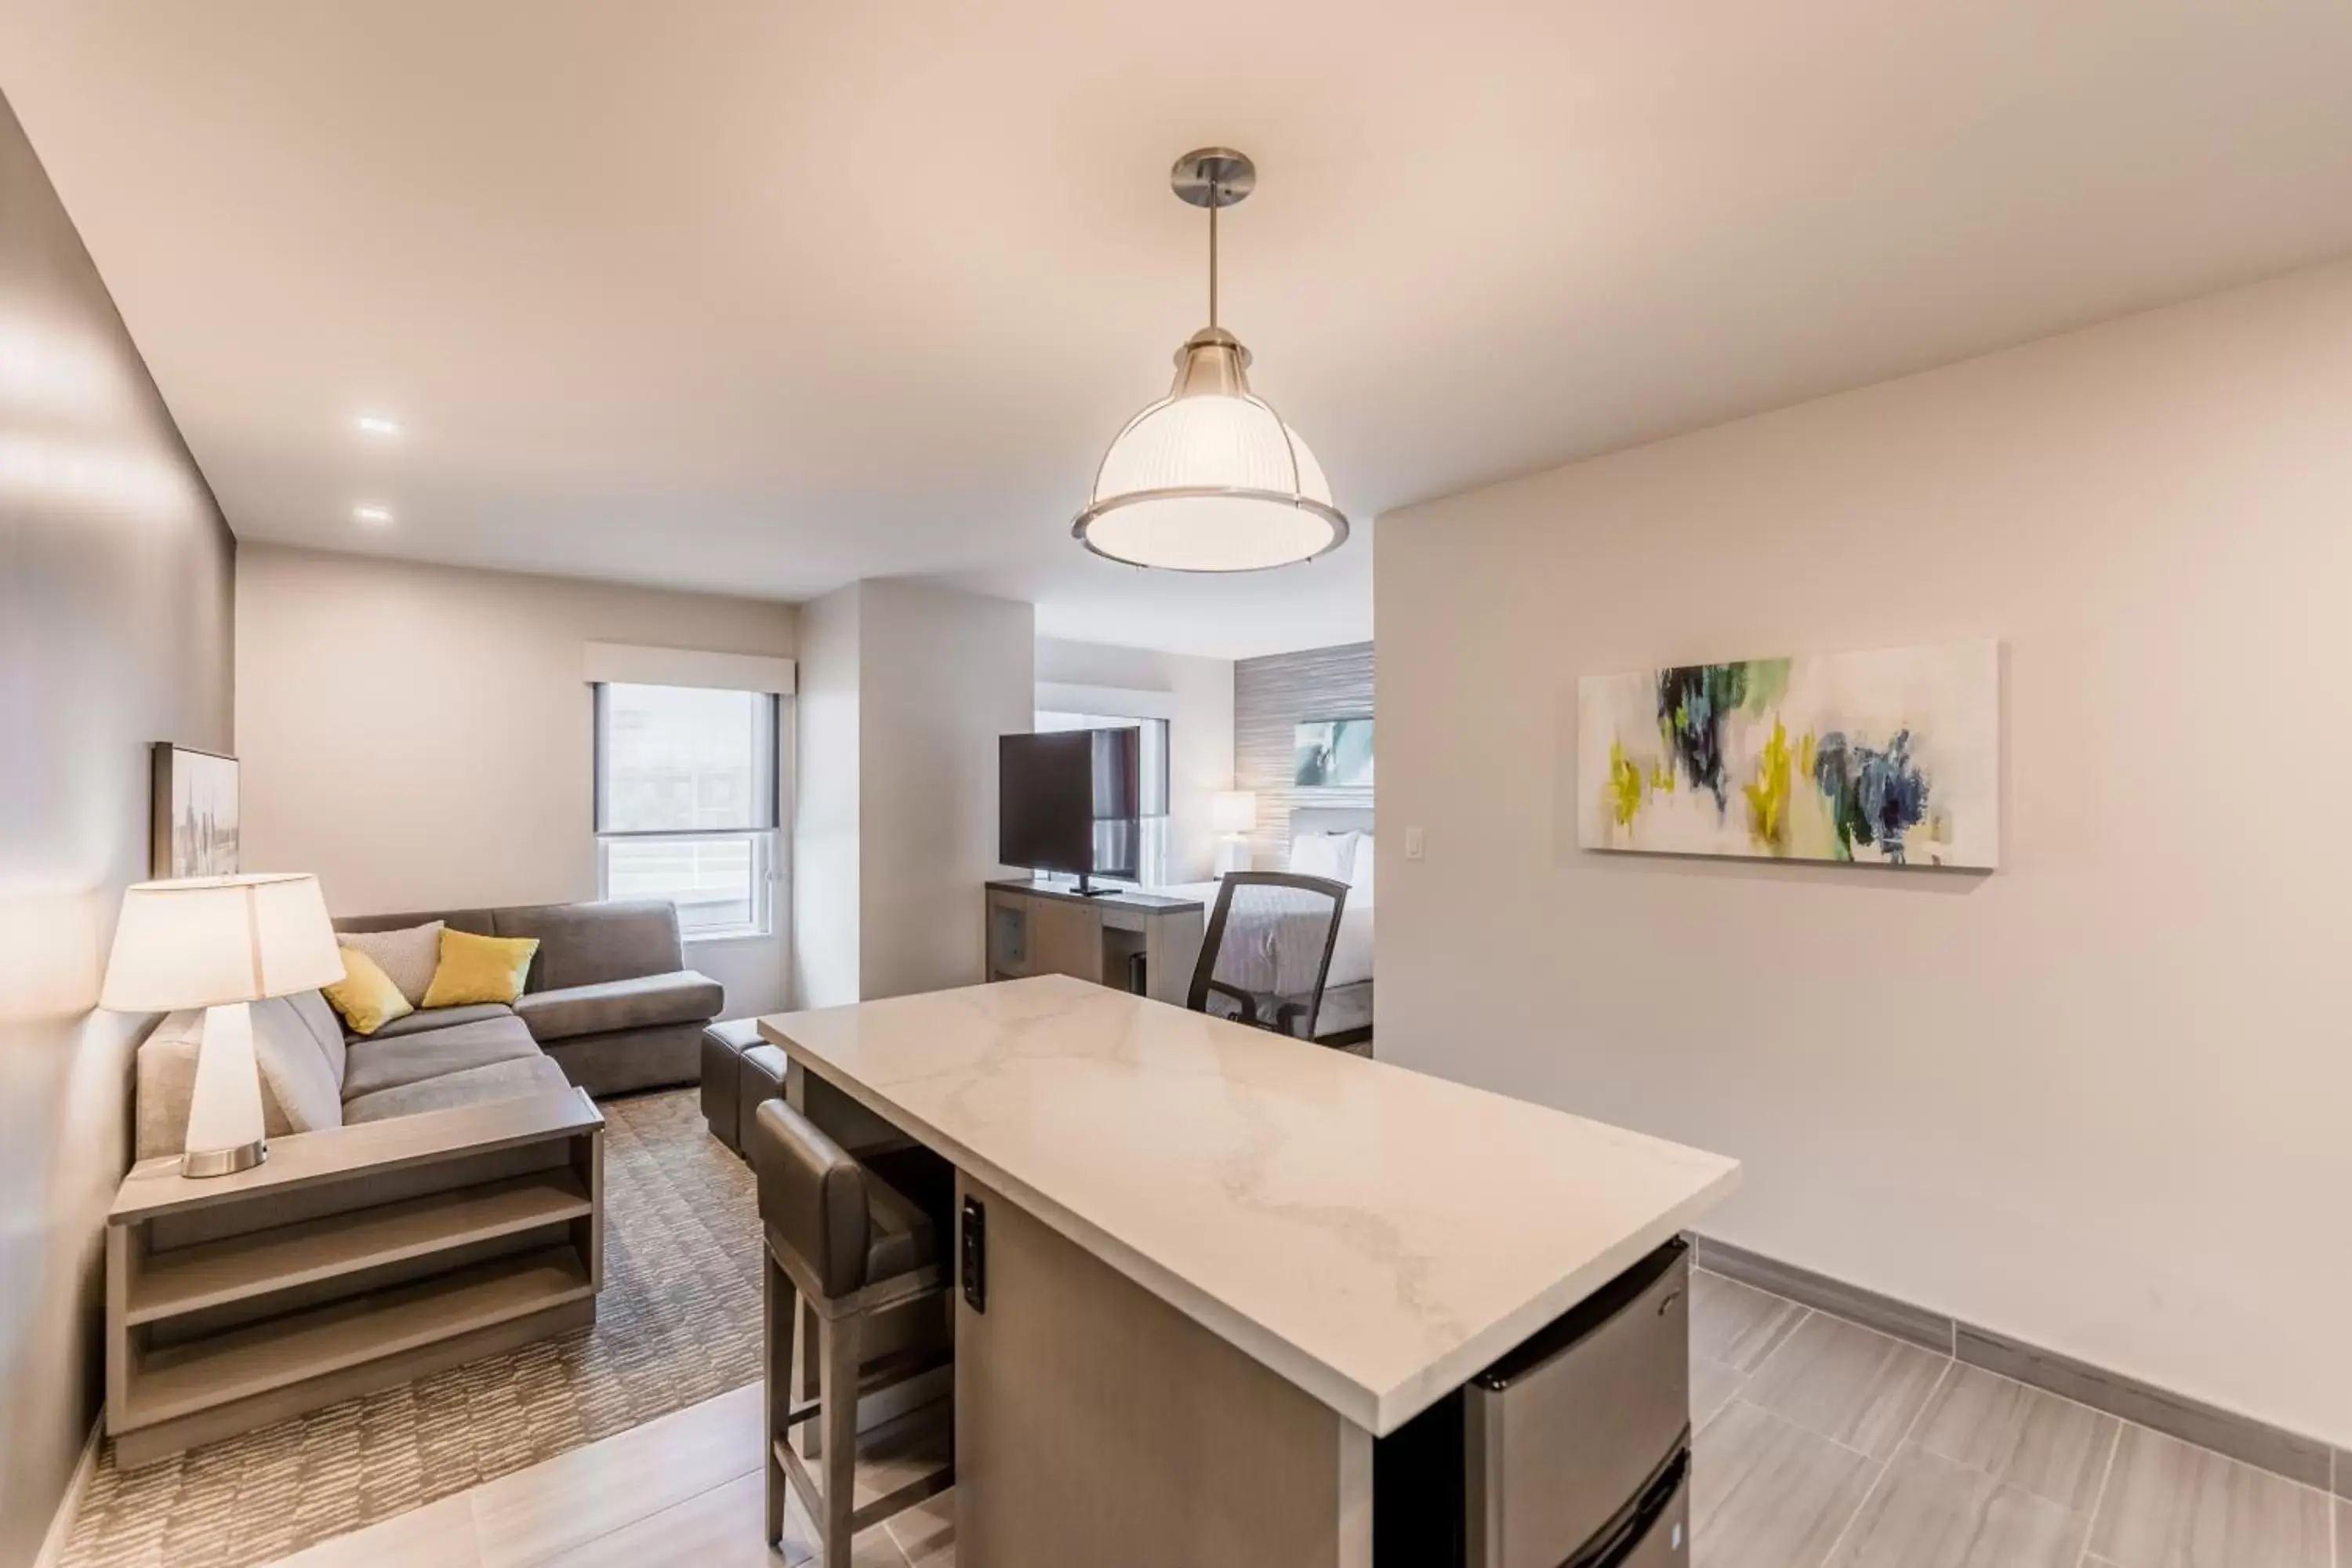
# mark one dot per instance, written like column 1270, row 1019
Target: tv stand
column 1143, row 943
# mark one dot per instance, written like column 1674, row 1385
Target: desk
column 1038, row 927
column 1220, row 1263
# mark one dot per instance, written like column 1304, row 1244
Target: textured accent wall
column 115, row 620
column 1273, row 695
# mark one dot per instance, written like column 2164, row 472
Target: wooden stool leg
column 812, row 1439
column 779, row 1311
column 838, row 1351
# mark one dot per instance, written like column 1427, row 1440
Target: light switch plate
column 1413, row 846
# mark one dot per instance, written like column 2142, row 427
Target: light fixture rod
column 1216, row 193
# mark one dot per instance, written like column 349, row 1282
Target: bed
column 1346, row 1016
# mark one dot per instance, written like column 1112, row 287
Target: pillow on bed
column 1360, row 879
column 1328, row 855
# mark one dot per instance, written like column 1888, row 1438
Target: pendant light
column 1209, row 479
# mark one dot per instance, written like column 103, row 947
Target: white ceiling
column 763, row 296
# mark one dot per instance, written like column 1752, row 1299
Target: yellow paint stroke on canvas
column 1624, row 786
column 1768, row 797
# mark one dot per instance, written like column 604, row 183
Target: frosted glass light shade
column 1210, row 482
column 204, row 941
column 1232, row 810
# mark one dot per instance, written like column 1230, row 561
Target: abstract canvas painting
column 1890, row 757
column 195, row 809
column 1332, row 753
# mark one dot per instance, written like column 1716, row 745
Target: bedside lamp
column 219, row 943
column 1233, row 812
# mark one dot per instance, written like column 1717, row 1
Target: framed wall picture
column 1332, row 753
column 195, row 813
column 1888, row 757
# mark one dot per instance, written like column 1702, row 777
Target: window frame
column 764, row 843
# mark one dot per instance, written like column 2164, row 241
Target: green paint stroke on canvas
column 1768, row 683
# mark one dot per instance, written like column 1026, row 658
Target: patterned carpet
column 678, row 1322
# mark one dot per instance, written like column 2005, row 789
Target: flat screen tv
column 1071, row 802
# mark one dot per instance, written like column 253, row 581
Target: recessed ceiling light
column 374, row 514
column 377, row 424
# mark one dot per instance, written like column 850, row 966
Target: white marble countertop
column 1375, row 1236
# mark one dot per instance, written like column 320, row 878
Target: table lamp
column 1233, row 812
column 219, row 943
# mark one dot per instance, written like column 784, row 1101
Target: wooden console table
column 1049, row 928
column 350, row 1261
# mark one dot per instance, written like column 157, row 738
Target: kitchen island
column 1219, row 1264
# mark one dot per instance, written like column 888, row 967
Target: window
column 686, row 804
column 1153, row 747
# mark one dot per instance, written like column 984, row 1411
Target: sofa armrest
column 339, row 1153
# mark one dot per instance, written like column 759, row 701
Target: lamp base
column 1232, row 854
column 203, row 1163
column 225, row 1131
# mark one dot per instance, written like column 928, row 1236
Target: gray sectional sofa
column 609, row 995
column 608, row 1004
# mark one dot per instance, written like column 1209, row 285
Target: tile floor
column 1823, row 1445
column 1820, row 1445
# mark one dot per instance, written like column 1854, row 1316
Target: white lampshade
column 1211, row 482
column 205, row 941
column 1232, row 810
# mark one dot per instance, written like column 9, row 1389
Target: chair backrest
column 1267, row 949
column 812, row 1199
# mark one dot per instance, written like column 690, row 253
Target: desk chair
column 1267, row 951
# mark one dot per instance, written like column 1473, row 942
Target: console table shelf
column 364, row 1256
column 214, row 1273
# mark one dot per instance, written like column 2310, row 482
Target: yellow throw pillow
column 365, row 995
column 479, row 969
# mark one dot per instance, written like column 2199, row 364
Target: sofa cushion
column 426, row 1019
column 299, row 1092
column 407, row 955
column 365, row 995
column 534, row 1074
column 326, row 1027
column 378, row 1065
column 587, row 944
column 475, row 969
column 681, row 996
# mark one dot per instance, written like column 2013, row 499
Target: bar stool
column 843, row 1245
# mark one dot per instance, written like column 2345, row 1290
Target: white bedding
column 1351, row 955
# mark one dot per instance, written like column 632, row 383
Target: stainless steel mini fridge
column 1573, row 1451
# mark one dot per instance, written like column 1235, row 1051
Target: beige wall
column 911, row 686
column 825, row 891
column 941, row 676
column 115, row 624
column 421, row 736
column 2099, row 1098
column 1197, row 695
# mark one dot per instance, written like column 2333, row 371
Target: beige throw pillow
column 407, row 957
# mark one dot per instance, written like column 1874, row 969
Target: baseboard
column 2242, row 1437
column 1899, row 1320
column 61, row 1523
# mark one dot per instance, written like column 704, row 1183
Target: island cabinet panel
column 1095, row 1423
